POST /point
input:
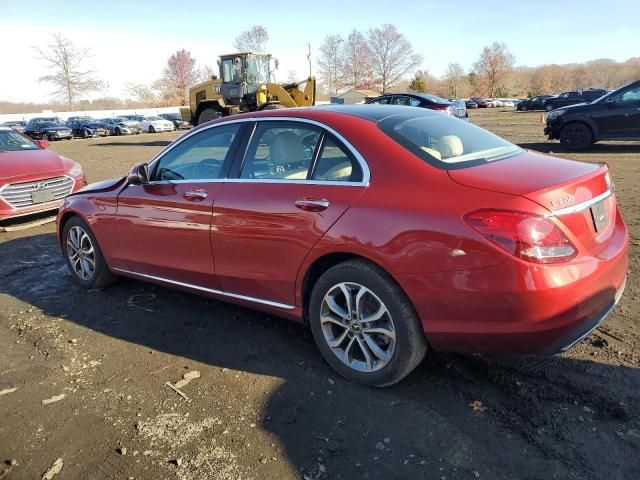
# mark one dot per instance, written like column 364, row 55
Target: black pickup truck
column 573, row 98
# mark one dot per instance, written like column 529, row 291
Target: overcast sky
column 131, row 40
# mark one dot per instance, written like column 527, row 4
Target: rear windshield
column 446, row 142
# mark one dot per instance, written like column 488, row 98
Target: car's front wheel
column 364, row 324
column 151, row 129
column 576, row 136
column 83, row 255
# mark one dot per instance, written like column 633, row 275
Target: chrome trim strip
column 46, row 204
column 581, row 206
column 366, row 173
column 208, row 290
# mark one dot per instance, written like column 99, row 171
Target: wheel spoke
column 347, row 350
column 361, row 293
column 375, row 316
column 347, row 296
column 375, row 348
column 380, row 331
column 365, row 352
column 335, row 308
column 335, row 321
column 337, row 341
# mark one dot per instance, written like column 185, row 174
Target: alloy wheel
column 81, row 253
column 357, row 327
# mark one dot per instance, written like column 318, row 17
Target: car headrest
column 449, row 146
column 285, row 148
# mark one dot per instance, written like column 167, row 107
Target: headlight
column 553, row 114
column 76, row 170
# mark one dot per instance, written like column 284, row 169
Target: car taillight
column 527, row 236
column 447, row 110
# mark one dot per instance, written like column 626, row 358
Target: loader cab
column 242, row 75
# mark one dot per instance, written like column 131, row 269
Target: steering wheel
column 209, row 168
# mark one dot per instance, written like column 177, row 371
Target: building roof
column 366, row 93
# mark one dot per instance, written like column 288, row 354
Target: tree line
column 380, row 59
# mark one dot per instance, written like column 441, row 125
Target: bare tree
column 177, row 77
column 69, row 80
column 455, row 79
column 392, row 55
column 329, row 63
column 356, row 62
column 253, row 40
column 142, row 93
column 493, row 68
column 205, row 73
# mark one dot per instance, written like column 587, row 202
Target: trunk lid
column 578, row 194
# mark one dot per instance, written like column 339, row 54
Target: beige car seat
column 449, row 146
column 286, row 149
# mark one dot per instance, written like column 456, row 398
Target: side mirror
column 42, row 143
column 139, row 174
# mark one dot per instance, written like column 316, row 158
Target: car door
column 619, row 115
column 295, row 180
column 164, row 225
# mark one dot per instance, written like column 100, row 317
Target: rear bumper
column 515, row 307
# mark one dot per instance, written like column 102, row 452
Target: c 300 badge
column 562, row 202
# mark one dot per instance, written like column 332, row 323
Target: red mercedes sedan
column 32, row 178
column 387, row 229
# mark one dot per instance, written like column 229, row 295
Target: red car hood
column 541, row 178
column 31, row 164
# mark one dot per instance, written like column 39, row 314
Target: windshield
column 257, row 69
column 49, row 125
column 11, row 141
column 446, row 142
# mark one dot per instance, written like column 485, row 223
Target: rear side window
column 446, row 142
column 281, row 151
column 335, row 164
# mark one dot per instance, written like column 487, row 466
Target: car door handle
column 312, row 204
column 195, row 195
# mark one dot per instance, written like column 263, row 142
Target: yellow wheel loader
column 245, row 86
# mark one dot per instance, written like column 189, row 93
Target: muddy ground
column 265, row 405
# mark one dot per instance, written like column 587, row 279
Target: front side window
column 446, row 142
column 281, row 151
column 199, row 157
column 631, row 96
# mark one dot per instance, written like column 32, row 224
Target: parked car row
column 54, row 128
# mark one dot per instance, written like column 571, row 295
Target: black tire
column 118, row 132
column 207, row 115
column 101, row 275
column 151, row 129
column 272, row 106
column 576, row 136
column 410, row 342
column 549, row 107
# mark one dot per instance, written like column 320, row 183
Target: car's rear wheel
column 576, row 136
column 83, row 255
column 364, row 324
column 118, row 132
column 548, row 107
column 151, row 129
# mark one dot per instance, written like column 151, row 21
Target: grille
column 19, row 194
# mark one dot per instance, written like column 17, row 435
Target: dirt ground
column 265, row 405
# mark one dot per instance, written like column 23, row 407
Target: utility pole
column 309, row 56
